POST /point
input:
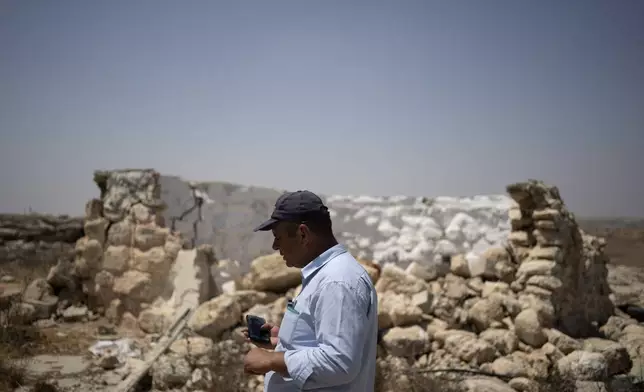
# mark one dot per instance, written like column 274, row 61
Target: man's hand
column 260, row 361
column 274, row 339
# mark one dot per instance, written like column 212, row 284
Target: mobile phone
column 255, row 331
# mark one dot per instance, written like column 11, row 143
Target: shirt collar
column 311, row 268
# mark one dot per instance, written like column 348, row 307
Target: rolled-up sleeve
column 340, row 314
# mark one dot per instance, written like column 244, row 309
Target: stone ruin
column 540, row 306
column 123, row 267
column 518, row 318
column 562, row 271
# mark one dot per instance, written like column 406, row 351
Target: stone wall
column 124, row 260
column 399, row 229
column 38, row 239
column 562, row 271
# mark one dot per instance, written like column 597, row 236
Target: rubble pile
column 523, row 313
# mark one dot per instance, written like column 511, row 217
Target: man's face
column 289, row 241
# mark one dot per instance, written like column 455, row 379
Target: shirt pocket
column 297, row 329
column 287, row 326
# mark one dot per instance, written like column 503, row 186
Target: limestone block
column 486, row 311
column 563, row 342
column 519, row 364
column 149, row 236
column 248, row 298
column 270, row 273
column 494, row 287
column 544, row 308
column 538, row 292
column 521, row 238
column 523, row 384
column 459, row 266
column 469, row 348
column 197, row 350
column 530, row 268
column 528, row 328
column 549, row 283
column 423, row 300
column 155, row 319
column 92, row 252
column 485, row 385
column 154, row 261
column 503, row 340
column 617, row 357
column 394, row 279
column 553, row 253
column 134, row 285
column 61, row 275
column 521, row 253
column 548, row 238
column 170, row 371
column 546, row 225
column 396, row 309
column 550, row 214
column 406, row 341
column 93, row 209
column 519, row 219
column 142, row 214
column 82, row 269
column 213, row 317
column 126, row 188
column 583, row 365
column 96, row 229
column 116, row 259
column 120, row 233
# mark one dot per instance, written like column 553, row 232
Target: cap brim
column 268, row 225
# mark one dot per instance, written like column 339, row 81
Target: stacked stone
column 125, row 258
column 557, row 276
column 428, row 321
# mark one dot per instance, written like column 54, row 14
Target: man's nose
column 275, row 247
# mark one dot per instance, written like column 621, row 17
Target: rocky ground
column 59, row 347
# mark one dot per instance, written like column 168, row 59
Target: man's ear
column 304, row 232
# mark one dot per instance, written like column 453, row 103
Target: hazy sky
column 362, row 97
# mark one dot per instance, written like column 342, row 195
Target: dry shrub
column 26, row 271
column 13, row 337
column 42, row 386
column 18, row 338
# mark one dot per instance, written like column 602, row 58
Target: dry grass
column 18, row 338
column 24, row 271
column 16, row 342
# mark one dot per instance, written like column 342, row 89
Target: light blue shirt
column 329, row 332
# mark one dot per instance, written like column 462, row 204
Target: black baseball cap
column 298, row 206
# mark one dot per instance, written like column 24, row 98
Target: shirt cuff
column 298, row 366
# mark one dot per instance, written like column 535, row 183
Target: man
column 327, row 339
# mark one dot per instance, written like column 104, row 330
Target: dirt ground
column 625, row 239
